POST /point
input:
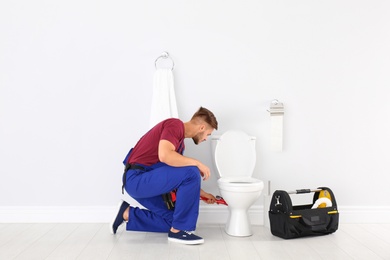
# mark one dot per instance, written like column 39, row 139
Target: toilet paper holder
column 276, row 108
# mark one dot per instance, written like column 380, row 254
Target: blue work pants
column 147, row 188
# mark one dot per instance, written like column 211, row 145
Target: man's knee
column 193, row 173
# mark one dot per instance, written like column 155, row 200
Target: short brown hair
column 207, row 116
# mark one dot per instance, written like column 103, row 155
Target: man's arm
column 168, row 155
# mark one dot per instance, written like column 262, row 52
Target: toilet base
column 238, row 224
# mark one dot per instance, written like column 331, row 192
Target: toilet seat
column 238, row 184
column 235, row 154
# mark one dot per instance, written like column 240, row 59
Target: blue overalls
column 147, row 186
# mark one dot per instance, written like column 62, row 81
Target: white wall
column 76, row 81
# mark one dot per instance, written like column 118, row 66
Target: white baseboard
column 219, row 214
column 55, row 214
column 209, row 214
column 368, row 214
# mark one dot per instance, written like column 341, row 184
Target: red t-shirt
column 145, row 152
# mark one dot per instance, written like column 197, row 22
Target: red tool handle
column 219, row 200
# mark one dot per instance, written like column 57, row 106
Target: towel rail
column 164, row 55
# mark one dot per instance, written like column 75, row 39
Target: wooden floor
column 93, row 241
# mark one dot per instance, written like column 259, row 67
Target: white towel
column 163, row 100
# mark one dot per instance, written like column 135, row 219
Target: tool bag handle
column 301, row 191
column 317, row 192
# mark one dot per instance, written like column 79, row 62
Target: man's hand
column 207, row 197
column 204, row 171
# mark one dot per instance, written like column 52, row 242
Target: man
column 156, row 166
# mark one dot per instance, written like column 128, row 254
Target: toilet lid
column 235, row 154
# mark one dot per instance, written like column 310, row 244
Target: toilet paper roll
column 277, row 133
column 319, row 201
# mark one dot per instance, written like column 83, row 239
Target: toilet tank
column 234, row 154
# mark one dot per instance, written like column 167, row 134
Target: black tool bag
column 288, row 221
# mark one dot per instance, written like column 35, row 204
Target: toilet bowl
column 235, row 158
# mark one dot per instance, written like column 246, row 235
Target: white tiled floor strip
column 93, row 241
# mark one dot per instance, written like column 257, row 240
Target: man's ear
column 202, row 128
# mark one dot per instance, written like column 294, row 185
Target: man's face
column 202, row 135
